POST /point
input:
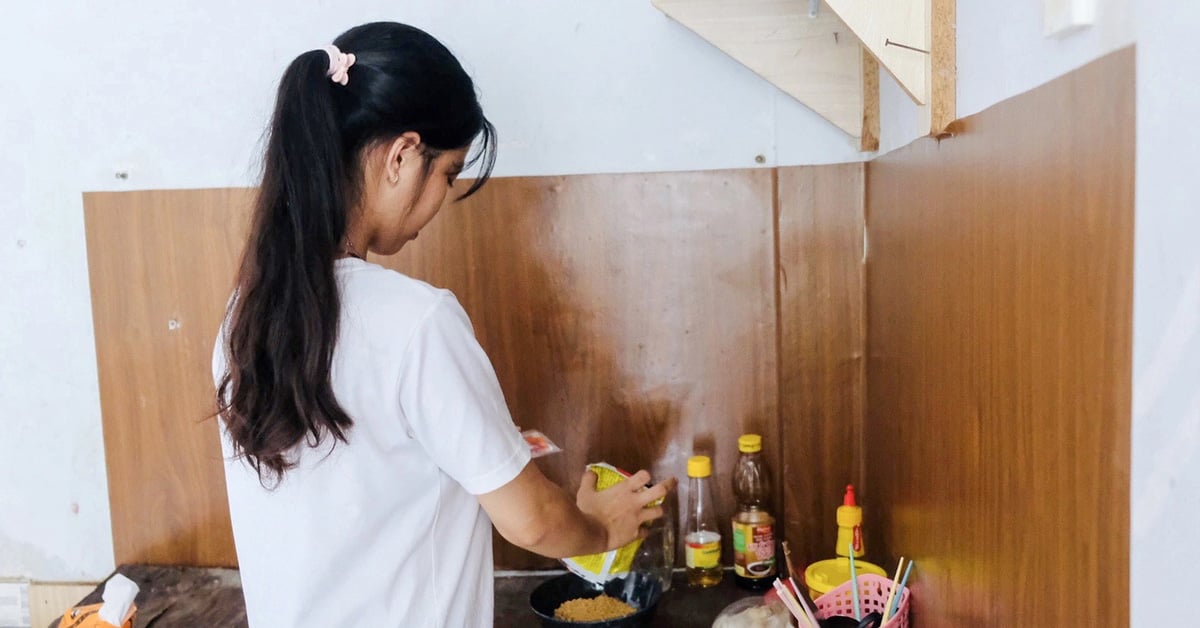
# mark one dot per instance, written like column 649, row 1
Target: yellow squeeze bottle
column 825, row 575
column 849, row 520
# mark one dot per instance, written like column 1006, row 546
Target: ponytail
column 282, row 325
column 284, row 319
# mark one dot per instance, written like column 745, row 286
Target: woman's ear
column 405, row 150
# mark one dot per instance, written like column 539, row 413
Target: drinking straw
column 787, row 558
column 854, row 583
column 803, row 604
column 785, row 596
column 887, row 607
column 900, row 589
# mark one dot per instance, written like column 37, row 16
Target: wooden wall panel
column 822, row 364
column 630, row 317
column 161, row 265
column 999, row 293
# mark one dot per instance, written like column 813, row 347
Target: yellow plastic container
column 825, row 575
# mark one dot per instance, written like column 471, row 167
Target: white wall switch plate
column 1063, row 17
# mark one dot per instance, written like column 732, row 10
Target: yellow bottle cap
column 699, row 466
column 750, row 443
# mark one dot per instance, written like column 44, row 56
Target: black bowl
column 872, row 620
column 639, row 590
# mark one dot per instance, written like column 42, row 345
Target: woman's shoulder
column 388, row 295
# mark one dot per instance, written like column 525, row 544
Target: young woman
column 369, row 449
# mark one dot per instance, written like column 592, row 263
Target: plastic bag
column 754, row 612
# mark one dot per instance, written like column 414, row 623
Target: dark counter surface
column 188, row 597
column 181, row 596
column 681, row 606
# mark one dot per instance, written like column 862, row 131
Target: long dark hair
column 283, row 322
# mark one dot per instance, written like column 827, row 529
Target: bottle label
column 753, row 550
column 704, row 553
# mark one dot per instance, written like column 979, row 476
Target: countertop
column 191, row 596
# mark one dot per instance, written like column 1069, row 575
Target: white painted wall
column 176, row 92
column 1165, row 516
column 1002, row 53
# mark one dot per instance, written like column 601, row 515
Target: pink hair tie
column 339, row 64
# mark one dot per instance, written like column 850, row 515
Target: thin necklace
column 348, row 249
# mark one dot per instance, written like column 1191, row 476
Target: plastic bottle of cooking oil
column 753, row 525
column 702, row 538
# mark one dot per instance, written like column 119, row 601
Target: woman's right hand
column 622, row 509
column 536, row 514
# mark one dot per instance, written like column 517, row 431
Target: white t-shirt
column 385, row 530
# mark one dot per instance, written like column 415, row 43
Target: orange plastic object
column 89, row 617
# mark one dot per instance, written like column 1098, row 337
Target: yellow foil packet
column 600, row 568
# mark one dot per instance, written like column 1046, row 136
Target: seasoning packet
column 600, row 568
column 539, row 444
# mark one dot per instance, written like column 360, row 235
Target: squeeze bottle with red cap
column 825, row 575
column 849, row 520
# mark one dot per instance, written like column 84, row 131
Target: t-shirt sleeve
column 453, row 404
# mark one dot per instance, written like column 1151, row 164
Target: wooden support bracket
column 819, row 59
column 914, row 41
column 815, row 59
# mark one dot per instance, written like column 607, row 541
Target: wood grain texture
column 941, row 110
column 629, row 317
column 181, row 597
column 822, row 382
column 999, row 292
column 161, row 266
column 869, row 141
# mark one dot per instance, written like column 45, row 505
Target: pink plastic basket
column 873, row 592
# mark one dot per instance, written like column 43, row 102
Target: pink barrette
column 339, row 64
